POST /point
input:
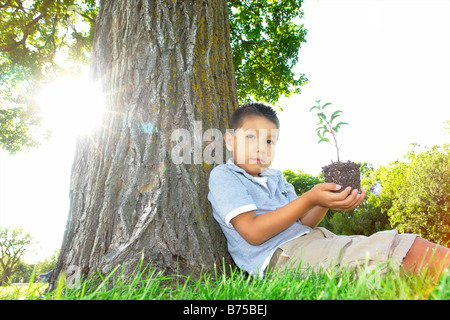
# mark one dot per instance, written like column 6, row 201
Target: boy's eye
column 271, row 141
column 251, row 136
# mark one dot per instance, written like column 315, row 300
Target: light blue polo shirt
column 233, row 191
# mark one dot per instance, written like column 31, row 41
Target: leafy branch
column 327, row 127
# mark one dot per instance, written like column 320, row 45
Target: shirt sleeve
column 228, row 195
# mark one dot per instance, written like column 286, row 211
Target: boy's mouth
column 257, row 160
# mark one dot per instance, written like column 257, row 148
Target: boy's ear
column 229, row 141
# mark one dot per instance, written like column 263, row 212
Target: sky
column 384, row 63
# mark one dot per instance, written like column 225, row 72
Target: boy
column 268, row 227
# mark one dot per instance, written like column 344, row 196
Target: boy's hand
column 259, row 228
column 346, row 200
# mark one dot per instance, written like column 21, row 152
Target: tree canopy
column 38, row 41
column 42, row 39
column 265, row 38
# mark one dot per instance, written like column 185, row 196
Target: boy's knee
column 425, row 254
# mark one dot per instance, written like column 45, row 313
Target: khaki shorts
column 321, row 248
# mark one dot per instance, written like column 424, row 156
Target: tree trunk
column 166, row 65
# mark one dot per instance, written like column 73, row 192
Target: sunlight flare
column 71, row 105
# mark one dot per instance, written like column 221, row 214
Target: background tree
column 13, row 243
column 301, row 181
column 21, row 273
column 48, row 264
column 416, row 193
column 24, row 272
column 40, row 40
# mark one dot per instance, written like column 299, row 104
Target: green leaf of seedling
column 319, row 135
column 326, row 104
column 322, row 134
column 315, row 107
column 335, row 115
column 338, row 126
column 322, row 115
column 324, row 140
column 324, row 128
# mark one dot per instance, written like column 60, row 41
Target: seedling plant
column 327, row 126
column 344, row 174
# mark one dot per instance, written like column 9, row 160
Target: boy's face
column 253, row 144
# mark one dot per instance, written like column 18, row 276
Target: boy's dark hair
column 253, row 109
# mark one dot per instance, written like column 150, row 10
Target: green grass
column 333, row 284
column 22, row 291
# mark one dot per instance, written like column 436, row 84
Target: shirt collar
column 265, row 173
column 270, row 174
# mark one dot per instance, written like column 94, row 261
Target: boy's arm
column 314, row 216
column 257, row 229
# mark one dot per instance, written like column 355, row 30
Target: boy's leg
column 424, row 254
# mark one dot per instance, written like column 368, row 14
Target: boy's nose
column 262, row 141
column 261, row 146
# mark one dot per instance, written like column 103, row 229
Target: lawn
column 332, row 284
column 22, row 291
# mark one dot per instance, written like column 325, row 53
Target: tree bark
column 166, row 65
